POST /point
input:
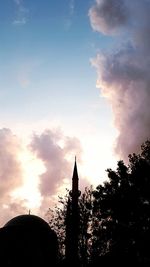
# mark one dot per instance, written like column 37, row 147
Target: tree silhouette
column 121, row 211
column 85, row 238
column 114, row 218
column 60, row 217
column 57, row 221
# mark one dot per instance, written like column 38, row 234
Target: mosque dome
column 29, row 239
column 28, row 221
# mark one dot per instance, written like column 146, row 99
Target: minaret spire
column 75, row 180
column 72, row 226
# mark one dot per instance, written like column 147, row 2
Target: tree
column 121, row 210
column 85, row 213
column 58, row 219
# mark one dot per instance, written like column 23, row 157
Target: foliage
column 121, row 209
column 58, row 217
column 115, row 217
column 85, row 210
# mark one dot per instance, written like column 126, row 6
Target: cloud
column 10, row 168
column 10, row 174
column 11, row 210
column 21, row 13
column 123, row 73
column 56, row 151
column 107, row 16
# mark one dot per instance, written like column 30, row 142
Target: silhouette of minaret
column 75, row 184
column 72, row 219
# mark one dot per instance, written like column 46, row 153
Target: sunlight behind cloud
column 32, row 169
column 97, row 158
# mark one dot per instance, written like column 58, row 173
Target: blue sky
column 45, row 54
column 47, row 81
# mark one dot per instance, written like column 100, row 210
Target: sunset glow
column 32, row 168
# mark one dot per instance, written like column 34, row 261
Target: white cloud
column 52, row 155
column 11, row 176
column 22, row 13
column 123, row 74
column 55, row 150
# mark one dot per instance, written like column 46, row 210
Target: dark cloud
column 107, row 16
column 123, row 77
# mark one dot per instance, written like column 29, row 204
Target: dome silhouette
column 30, row 239
column 28, row 221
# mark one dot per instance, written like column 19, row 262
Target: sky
column 74, row 81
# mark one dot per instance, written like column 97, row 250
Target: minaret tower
column 75, row 184
column 72, row 219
